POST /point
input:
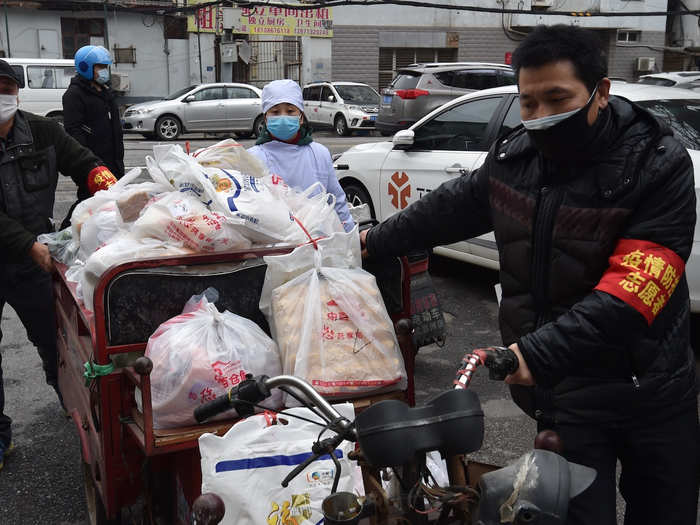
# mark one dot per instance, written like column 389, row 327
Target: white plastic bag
column 182, row 218
column 268, row 210
column 266, row 219
column 329, row 320
column 96, row 220
column 200, row 354
column 313, row 210
column 61, row 244
column 246, row 466
column 105, row 222
column 121, row 249
column 231, row 155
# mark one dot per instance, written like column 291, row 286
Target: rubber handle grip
column 212, row 408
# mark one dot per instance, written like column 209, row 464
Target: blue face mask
column 284, row 127
column 102, row 76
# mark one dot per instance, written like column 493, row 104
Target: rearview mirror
column 188, row 98
column 331, row 98
column 403, row 139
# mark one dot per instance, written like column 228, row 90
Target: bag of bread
column 329, row 320
column 178, row 217
column 199, row 355
column 230, row 154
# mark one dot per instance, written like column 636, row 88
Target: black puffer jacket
column 92, row 118
column 556, row 230
column 36, row 149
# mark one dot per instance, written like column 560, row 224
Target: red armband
column 100, row 178
column 643, row 274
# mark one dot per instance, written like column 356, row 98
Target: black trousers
column 27, row 288
column 660, row 470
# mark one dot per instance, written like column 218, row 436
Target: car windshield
column 179, row 93
column 358, row 94
column 683, row 115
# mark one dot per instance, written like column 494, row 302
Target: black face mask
column 570, row 139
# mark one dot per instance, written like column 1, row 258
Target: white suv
column 345, row 106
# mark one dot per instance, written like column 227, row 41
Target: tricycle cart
column 133, row 472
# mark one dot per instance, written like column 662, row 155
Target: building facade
column 160, row 54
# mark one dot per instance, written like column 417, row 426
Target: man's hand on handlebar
column 522, row 376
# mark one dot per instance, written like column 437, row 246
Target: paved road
column 42, row 482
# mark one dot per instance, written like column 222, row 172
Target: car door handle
column 458, row 169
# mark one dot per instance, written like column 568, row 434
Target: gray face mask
column 552, row 120
column 8, row 107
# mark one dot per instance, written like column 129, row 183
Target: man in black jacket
column 91, row 114
column 593, row 207
column 32, row 151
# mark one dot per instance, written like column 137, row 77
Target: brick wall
column 356, row 50
column 621, row 60
column 484, row 44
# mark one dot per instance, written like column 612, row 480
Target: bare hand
column 363, row 243
column 522, row 375
column 40, row 255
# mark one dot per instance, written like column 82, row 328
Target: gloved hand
column 100, row 178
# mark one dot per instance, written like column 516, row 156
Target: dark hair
column 547, row 44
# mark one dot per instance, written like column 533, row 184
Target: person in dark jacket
column 32, row 151
column 592, row 204
column 91, row 114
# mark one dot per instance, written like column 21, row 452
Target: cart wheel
column 95, row 508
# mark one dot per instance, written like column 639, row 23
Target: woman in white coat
column 287, row 149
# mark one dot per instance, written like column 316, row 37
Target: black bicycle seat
column 390, row 433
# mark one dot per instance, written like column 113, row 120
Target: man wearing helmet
column 91, row 114
column 33, row 150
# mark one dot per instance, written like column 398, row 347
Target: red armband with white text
column 643, row 274
column 100, row 178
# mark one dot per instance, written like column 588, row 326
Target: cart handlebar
column 253, row 390
column 500, row 361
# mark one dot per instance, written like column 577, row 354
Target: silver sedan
column 228, row 107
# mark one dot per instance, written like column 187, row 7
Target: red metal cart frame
column 127, row 463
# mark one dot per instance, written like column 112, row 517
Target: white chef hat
column 279, row 91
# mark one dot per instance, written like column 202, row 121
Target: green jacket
column 35, row 150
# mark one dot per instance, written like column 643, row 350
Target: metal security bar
column 273, row 60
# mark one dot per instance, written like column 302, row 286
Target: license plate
column 373, row 117
column 387, row 99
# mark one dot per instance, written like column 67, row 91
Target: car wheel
column 341, row 126
column 168, row 128
column 355, row 194
column 259, row 126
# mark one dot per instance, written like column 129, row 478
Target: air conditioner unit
column 542, row 3
column 120, row 82
column 645, row 64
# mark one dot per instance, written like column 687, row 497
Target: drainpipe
column 166, row 50
column 7, row 31
column 104, row 6
column 199, row 50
